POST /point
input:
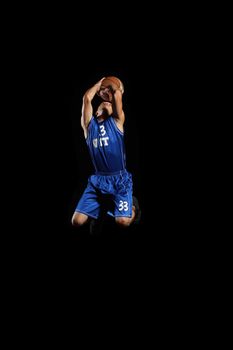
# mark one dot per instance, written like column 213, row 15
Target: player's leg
column 79, row 219
column 123, row 209
column 97, row 225
column 88, row 207
column 127, row 210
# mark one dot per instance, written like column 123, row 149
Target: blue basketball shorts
column 116, row 189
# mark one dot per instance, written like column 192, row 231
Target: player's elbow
column 87, row 97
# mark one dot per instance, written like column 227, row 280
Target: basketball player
column 111, row 183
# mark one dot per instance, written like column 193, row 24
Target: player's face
column 105, row 94
column 104, row 109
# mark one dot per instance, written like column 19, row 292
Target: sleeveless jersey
column 106, row 146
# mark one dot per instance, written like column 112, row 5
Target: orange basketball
column 114, row 82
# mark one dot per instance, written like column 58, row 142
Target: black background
column 124, row 283
column 50, row 71
column 51, row 63
column 157, row 146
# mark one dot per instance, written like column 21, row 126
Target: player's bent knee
column 123, row 221
column 79, row 219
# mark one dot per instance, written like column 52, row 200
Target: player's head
column 105, row 93
column 107, row 88
column 104, row 110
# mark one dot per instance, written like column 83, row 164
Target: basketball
column 113, row 82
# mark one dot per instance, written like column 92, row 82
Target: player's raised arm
column 112, row 90
column 117, row 106
column 87, row 109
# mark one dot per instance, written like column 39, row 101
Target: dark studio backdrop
column 69, row 164
column 51, row 164
column 155, row 135
column 56, row 69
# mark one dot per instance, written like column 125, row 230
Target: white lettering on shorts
column 123, row 205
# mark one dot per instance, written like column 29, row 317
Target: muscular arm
column 117, row 105
column 87, row 109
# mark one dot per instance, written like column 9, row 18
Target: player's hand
column 99, row 83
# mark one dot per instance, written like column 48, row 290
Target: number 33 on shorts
column 123, row 205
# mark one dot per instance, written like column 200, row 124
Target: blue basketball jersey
column 106, row 146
